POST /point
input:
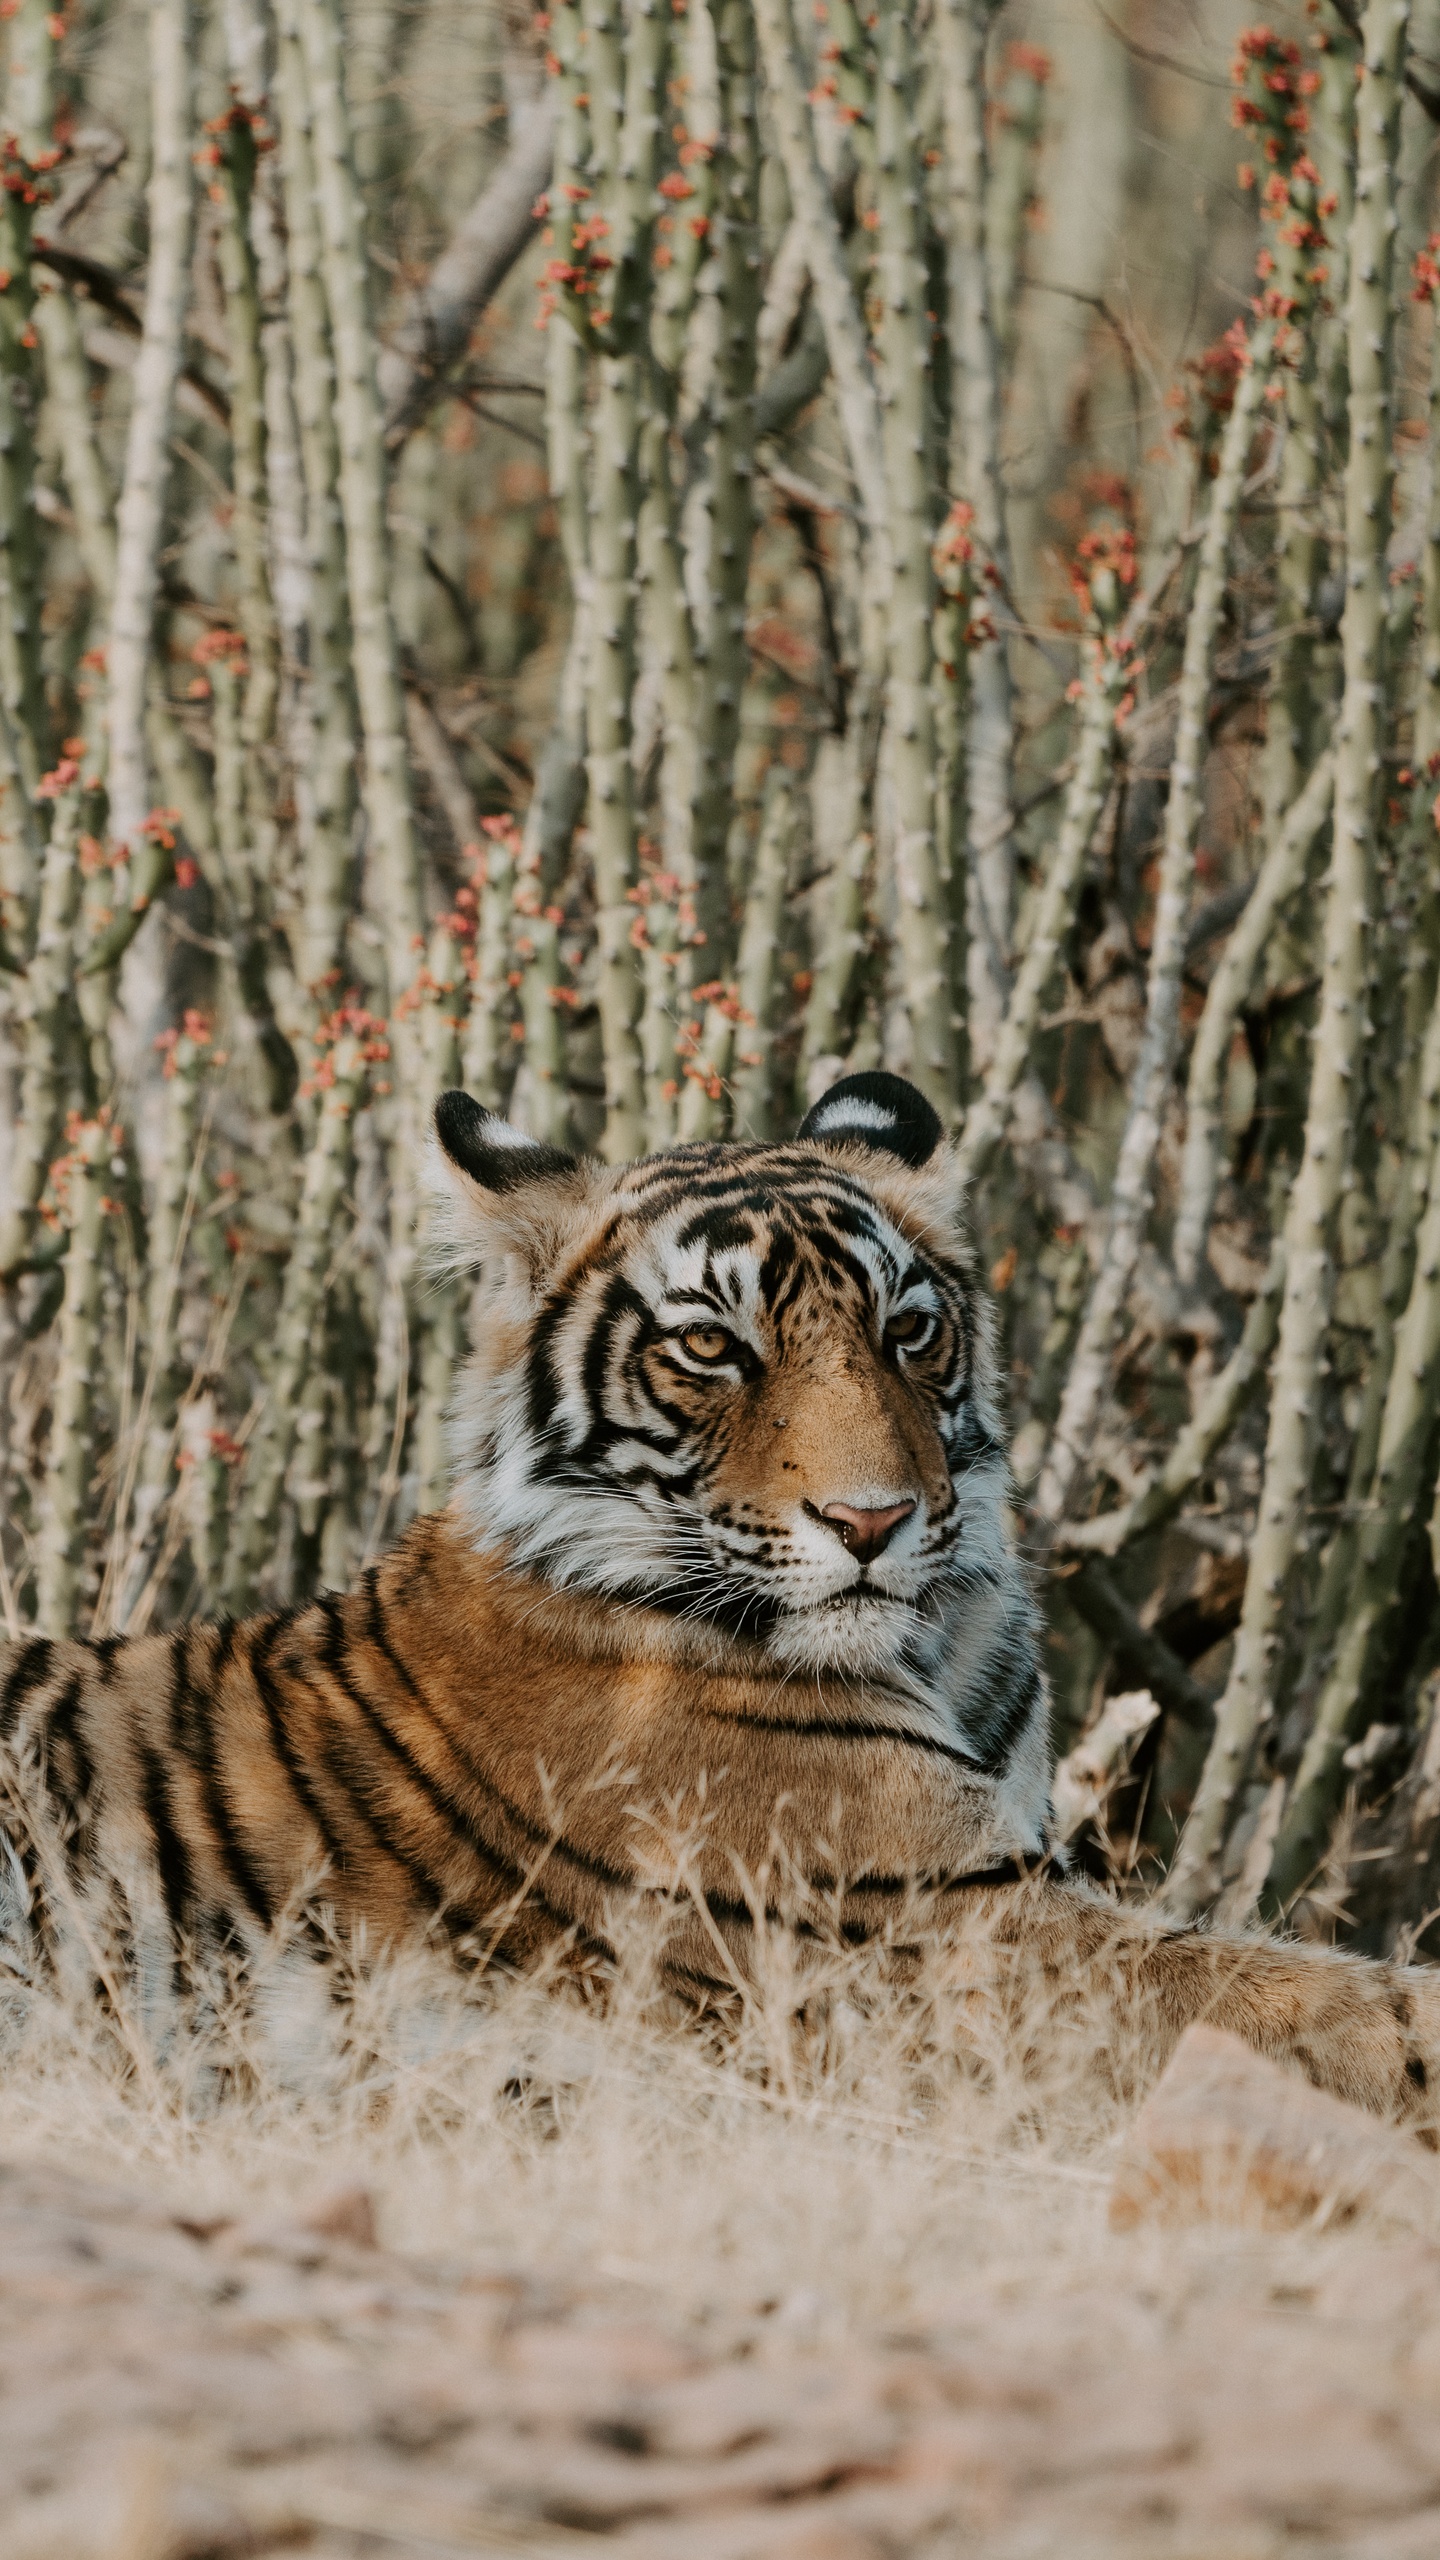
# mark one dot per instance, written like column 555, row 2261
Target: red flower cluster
column 1103, row 573
column 1273, row 89
column 349, row 1020
column 84, row 1142
column 961, row 575
column 197, row 1032
column 25, row 179
column 579, row 275
column 66, row 774
column 726, row 1001
column 239, row 124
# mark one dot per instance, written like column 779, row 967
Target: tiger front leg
column 1366, row 2031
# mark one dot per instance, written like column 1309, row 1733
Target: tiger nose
column 865, row 1533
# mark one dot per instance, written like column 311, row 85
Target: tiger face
column 751, row 1387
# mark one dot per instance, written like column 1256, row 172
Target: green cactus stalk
column 206, row 1465
column 1334, row 1597
column 1133, row 1186
column 625, row 69
column 349, row 1045
column 761, row 935
column 706, row 1054
column 92, row 498
column 327, row 788
column 1010, row 194
column 1404, row 1465
column 559, row 796
column 1281, row 877
column 1108, row 678
column 141, row 512
column 658, row 932
column 235, row 155
column 721, row 650
column 82, row 1205
column 1219, row 1408
column 360, row 430
column 542, row 996
column 1335, row 152
column 188, row 1052
column 93, row 502
column 950, row 688
column 841, row 942
column 1315, row 1195
column 1290, row 704
column 50, row 1029
column 961, row 29
column 786, row 81
column 488, row 1044
column 905, row 359
column 1427, row 686
column 28, row 151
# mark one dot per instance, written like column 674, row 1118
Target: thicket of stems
column 760, row 671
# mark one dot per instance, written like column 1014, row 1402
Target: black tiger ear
column 494, row 1154
column 875, row 1111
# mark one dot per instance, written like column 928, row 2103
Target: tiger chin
column 723, row 1618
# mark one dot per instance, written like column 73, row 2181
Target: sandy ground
column 448, row 2273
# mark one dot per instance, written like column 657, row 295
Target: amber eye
column 706, row 1342
column 910, row 1329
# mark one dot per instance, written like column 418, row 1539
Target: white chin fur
column 859, row 1635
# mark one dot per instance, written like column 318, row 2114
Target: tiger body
column 724, row 1616
column 387, row 1748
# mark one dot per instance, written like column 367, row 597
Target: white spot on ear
column 832, row 1117
column 502, row 1133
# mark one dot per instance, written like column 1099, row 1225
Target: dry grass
column 873, row 2191
column 845, row 2137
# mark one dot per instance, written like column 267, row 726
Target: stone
column 1228, row 2135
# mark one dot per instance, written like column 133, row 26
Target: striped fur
column 635, row 1658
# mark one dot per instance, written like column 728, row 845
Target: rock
column 1227, row 2134
column 346, row 2213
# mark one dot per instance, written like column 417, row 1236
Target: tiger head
column 750, row 1386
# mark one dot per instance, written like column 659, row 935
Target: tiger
column 725, row 1620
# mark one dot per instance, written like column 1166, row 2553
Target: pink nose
column 865, row 1533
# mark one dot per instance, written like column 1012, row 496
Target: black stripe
column 352, row 1778
column 176, row 1879
column 30, row 1668
column 1007, row 1710
column 457, row 1820
column 261, row 1648
column 849, row 1730
column 63, row 1726
column 620, row 1879
column 192, row 1731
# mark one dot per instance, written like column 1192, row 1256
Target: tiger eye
column 706, row 1342
column 907, row 1327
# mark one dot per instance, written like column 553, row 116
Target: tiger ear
column 494, row 1190
column 489, row 1151
column 878, row 1111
